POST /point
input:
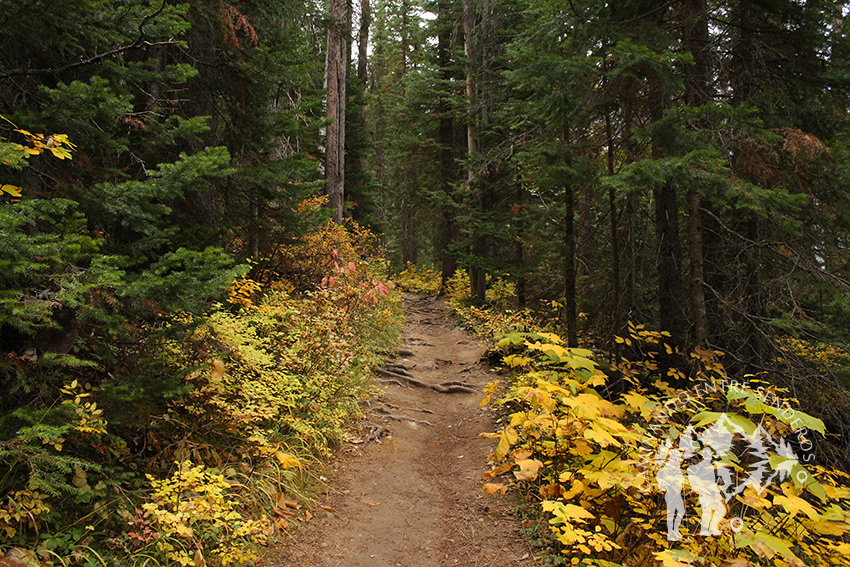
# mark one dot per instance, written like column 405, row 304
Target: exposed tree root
column 398, row 383
column 444, row 387
column 393, row 406
column 405, row 418
column 398, row 369
column 376, row 432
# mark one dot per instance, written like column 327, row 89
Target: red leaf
column 383, row 289
column 351, row 267
column 331, row 281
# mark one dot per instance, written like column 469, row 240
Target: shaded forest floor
column 414, row 499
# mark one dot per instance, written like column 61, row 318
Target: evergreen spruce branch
column 139, row 42
column 787, row 252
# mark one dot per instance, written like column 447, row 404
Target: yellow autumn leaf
column 597, row 379
column 528, row 469
column 518, row 418
column 634, row 400
column 552, row 338
column 752, row 498
column 826, row 527
column 515, row 360
column 581, row 448
column 674, row 558
column 60, row 152
column 766, row 545
column 615, row 427
column 287, row 461
column 521, row 454
column 12, row 190
column 836, row 492
column 508, row 437
column 795, row 504
column 578, row 487
column 567, row 511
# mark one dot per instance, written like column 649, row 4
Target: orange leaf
column 493, row 488
column 497, row 471
column 217, row 370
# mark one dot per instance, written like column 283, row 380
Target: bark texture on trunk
column 335, row 74
column 697, row 93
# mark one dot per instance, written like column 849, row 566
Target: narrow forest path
column 414, row 499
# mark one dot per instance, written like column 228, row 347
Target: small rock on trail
column 414, row 499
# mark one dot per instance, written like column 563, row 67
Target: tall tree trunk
column 477, row 276
column 669, row 260
column 468, row 49
column 629, row 209
column 336, row 65
column 570, row 308
column 486, row 28
column 697, row 93
column 615, row 241
column 519, row 252
column 571, row 314
column 743, row 83
column 363, row 47
column 669, row 250
column 448, row 263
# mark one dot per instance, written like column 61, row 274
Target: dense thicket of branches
column 196, row 129
column 680, row 164
column 695, row 147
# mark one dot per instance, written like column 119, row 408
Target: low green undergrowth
column 195, row 439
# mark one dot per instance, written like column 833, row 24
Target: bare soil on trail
column 414, row 498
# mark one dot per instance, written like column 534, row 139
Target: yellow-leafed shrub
column 602, row 463
column 195, row 512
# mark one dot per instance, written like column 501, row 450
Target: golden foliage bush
column 591, row 457
column 196, row 513
column 420, row 280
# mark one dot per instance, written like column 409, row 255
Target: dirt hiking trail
column 414, row 499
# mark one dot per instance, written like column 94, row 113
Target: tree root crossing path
column 406, row 491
